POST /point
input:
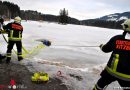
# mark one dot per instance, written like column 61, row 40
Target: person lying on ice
column 118, row 66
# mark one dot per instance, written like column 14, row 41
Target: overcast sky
column 80, row 9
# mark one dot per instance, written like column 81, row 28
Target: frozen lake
column 86, row 62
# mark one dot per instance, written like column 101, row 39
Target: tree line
column 62, row 18
column 103, row 23
column 10, row 10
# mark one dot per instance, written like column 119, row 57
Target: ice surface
column 80, row 66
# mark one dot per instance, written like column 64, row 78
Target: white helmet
column 126, row 25
column 17, row 19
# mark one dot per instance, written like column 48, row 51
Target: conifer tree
column 63, row 17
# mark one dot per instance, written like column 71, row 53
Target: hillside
column 116, row 16
column 109, row 21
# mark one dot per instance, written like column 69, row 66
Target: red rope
column 60, row 74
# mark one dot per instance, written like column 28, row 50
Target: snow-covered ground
column 80, row 66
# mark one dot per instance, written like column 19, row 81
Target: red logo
column 123, row 45
column 12, row 82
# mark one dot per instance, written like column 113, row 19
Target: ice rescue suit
column 118, row 66
column 14, row 31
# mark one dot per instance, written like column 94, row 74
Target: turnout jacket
column 119, row 62
column 14, row 31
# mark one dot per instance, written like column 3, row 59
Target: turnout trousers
column 107, row 78
column 19, row 49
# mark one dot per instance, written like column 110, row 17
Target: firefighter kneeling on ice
column 14, row 30
column 118, row 66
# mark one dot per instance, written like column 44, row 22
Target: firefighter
column 14, row 30
column 118, row 66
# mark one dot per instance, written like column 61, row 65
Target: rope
column 60, row 74
column 42, row 40
column 7, row 42
column 74, row 46
column 26, row 51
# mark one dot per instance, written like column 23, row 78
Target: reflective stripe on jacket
column 14, row 31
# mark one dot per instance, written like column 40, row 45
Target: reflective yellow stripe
column 8, row 55
column 20, row 55
column 11, row 33
column 116, row 62
column 117, row 73
column 113, row 70
column 14, row 38
column 19, row 35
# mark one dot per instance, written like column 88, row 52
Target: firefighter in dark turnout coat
column 118, row 66
column 14, row 31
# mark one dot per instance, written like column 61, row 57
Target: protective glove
column 101, row 45
column 46, row 42
column 3, row 31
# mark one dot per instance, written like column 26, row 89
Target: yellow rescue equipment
column 40, row 77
